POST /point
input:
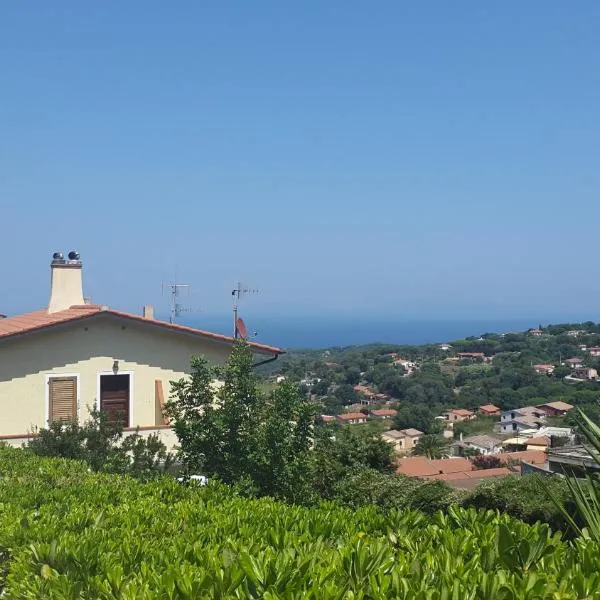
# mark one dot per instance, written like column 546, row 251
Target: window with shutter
column 62, row 394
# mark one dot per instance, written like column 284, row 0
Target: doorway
column 114, row 398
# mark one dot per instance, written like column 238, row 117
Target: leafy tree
column 431, row 446
column 345, row 393
column 561, row 372
column 418, row 417
column 321, row 387
column 352, row 375
column 239, row 434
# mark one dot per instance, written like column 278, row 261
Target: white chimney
column 66, row 287
column 148, row 311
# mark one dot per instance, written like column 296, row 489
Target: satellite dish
column 74, row 255
column 240, row 327
column 58, row 256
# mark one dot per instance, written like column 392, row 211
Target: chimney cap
column 74, row 255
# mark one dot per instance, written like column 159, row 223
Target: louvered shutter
column 63, row 398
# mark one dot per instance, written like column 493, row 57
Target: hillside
column 508, row 370
column 67, row 533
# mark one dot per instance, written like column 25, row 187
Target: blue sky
column 427, row 159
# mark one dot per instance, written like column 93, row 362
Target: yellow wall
column 86, row 349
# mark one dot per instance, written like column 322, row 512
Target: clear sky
column 435, row 159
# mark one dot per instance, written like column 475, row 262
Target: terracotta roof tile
column 420, row 466
column 535, row 457
column 461, row 412
column 558, row 405
column 41, row 319
column 351, row 416
column 384, row 412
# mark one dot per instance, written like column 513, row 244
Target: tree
column 345, row 393
column 239, row 434
column 561, row 372
column 431, row 446
column 418, row 417
column 321, row 388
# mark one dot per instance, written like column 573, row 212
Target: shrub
column 78, row 534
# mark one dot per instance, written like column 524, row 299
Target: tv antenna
column 176, row 308
column 241, row 290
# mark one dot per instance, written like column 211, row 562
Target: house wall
column 87, row 349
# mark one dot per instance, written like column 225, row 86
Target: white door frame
column 50, row 376
column 131, row 377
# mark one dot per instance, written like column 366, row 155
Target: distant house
column 543, row 369
column 574, row 363
column 408, row 365
column 353, row 418
column 366, row 394
column 474, row 356
column 585, row 373
column 445, row 347
column 489, row 410
column 484, row 444
column 384, row 413
column 528, row 417
column 459, row 414
column 328, row 419
column 535, row 332
column 554, row 409
column 595, row 351
column 540, row 442
column 403, row 440
column 575, row 332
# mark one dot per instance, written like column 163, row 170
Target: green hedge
column 68, row 533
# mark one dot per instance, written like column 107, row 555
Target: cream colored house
column 59, row 363
column 403, row 440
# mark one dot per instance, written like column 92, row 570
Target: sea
column 327, row 332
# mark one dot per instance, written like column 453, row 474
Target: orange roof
column 461, row 412
column 540, row 440
column 536, row 457
column 478, row 474
column 420, row 466
column 384, row 412
column 41, row 319
column 558, row 405
column 351, row 416
column 489, row 408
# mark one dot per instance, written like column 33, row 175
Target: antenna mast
column 239, row 292
column 176, row 308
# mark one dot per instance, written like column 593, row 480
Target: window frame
column 131, row 392
column 50, row 376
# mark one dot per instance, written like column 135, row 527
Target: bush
column 488, row 461
column 524, row 498
column 102, row 446
column 78, row 534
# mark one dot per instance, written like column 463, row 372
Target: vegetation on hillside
column 507, row 380
column 66, row 532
